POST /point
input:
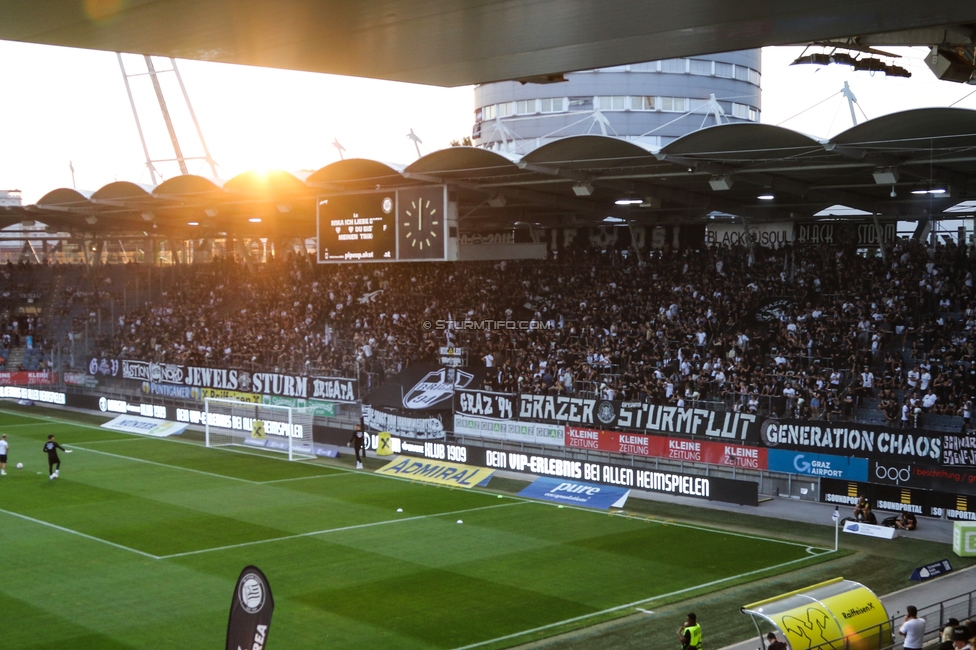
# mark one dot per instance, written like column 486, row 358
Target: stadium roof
column 457, row 42
column 906, row 166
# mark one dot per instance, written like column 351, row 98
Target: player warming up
column 358, row 442
column 53, row 462
column 3, row 455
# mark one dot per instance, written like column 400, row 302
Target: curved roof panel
column 925, row 125
column 186, row 185
column 270, row 184
column 589, row 149
column 742, row 142
column 357, row 171
column 64, row 197
column 121, row 191
column 463, row 161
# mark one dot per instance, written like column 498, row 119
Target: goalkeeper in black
column 53, row 462
column 358, row 442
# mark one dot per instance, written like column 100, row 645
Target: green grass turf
column 140, row 541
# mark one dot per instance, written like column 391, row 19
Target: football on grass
column 20, row 466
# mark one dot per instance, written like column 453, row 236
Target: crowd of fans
column 810, row 332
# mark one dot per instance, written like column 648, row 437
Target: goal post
column 286, row 429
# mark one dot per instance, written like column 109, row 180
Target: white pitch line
column 576, row 619
column 304, row 478
column 152, row 462
column 30, row 424
column 336, row 530
column 129, row 438
column 79, row 534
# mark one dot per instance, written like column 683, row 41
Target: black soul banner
column 250, row 611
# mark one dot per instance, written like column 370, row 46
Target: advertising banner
column 485, row 404
column 80, row 379
column 869, row 530
column 169, row 390
column 220, row 393
column 964, row 539
column 824, row 465
column 930, row 571
column 954, row 480
column 145, row 426
column 439, row 472
column 27, row 378
column 697, row 451
column 335, row 389
column 575, row 493
column 33, row 394
column 531, row 432
column 640, row 416
column 853, row 439
column 959, row 450
column 250, row 611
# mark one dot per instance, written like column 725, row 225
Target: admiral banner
column 852, row 439
column 484, row 404
column 439, row 472
column 530, row 432
column 651, row 418
column 697, row 451
column 336, row 389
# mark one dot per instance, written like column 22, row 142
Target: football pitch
column 140, row 541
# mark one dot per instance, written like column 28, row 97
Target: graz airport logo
column 251, row 593
column 606, row 413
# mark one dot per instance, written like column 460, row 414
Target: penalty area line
column 152, row 462
column 634, row 604
column 336, row 530
column 79, row 534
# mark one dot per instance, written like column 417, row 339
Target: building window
column 505, row 109
column 753, row 114
column 489, row 112
column 698, row 105
column 478, row 115
column 552, row 105
column 723, row 70
column 744, row 112
column 698, row 66
column 525, row 106
column 678, row 66
column 611, row 103
column 741, row 73
column 754, row 77
column 642, row 103
column 581, row 103
column 674, row 104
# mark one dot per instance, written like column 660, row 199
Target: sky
column 65, row 108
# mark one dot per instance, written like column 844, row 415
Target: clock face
column 421, row 223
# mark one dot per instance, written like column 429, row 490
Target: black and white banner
column 959, row 450
column 250, row 611
column 335, row 389
column 853, row 439
column 640, row 416
column 485, row 404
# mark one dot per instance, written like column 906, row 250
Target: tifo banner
column 769, row 235
column 336, row 389
column 485, row 404
column 959, row 450
column 845, row 233
column 852, row 439
column 80, row 379
column 531, row 432
column 220, row 393
column 698, row 451
column 825, row 465
column 145, row 426
column 433, row 471
column 27, row 378
column 313, row 406
column 250, row 611
column 649, row 418
column 575, row 493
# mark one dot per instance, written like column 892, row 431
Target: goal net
column 286, row 429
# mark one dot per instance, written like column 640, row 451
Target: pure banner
column 576, row 493
column 250, row 611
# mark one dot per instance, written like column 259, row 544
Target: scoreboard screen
column 358, row 228
column 409, row 224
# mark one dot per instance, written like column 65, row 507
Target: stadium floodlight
column 767, row 196
column 274, row 427
column 255, row 220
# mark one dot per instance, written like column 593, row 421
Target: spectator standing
column 913, row 629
